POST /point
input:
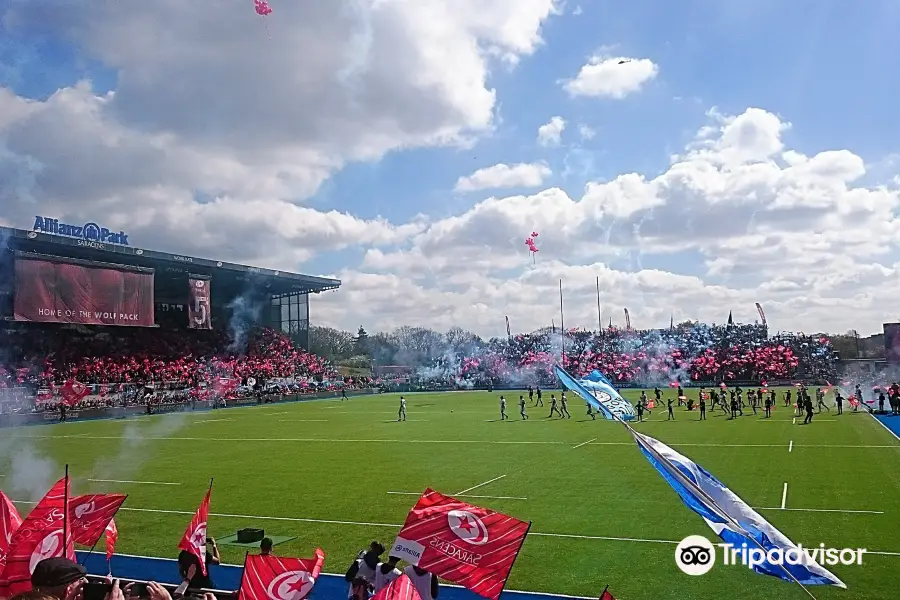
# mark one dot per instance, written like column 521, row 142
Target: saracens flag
column 39, row 536
column 90, row 514
column 9, row 522
column 462, row 543
column 278, row 578
column 72, row 392
column 194, row 539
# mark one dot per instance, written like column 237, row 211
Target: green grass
column 265, row 463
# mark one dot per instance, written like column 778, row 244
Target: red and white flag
column 9, row 522
column 278, row 578
column 399, row 589
column 112, row 535
column 462, row 543
column 90, row 514
column 39, row 536
column 194, row 539
column 72, row 392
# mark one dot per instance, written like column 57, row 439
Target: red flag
column 39, row 536
column 606, row 595
column 399, row 589
column 194, row 539
column 90, row 514
column 278, row 578
column 9, row 522
column 462, row 543
column 72, row 392
column 112, row 535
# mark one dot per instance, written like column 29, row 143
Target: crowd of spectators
column 138, row 365
column 695, row 353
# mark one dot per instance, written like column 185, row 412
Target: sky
column 694, row 159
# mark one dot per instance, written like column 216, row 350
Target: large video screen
column 56, row 291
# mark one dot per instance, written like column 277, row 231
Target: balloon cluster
column 532, row 247
column 262, row 8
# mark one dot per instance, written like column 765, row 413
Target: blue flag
column 599, row 393
column 730, row 517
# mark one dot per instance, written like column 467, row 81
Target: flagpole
column 66, row 515
column 562, row 323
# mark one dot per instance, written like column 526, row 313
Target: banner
column 277, row 578
column 199, row 309
column 50, row 291
column 460, row 542
column 90, row 514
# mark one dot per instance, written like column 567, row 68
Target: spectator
column 265, row 547
column 59, row 578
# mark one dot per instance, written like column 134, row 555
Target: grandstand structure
column 89, row 276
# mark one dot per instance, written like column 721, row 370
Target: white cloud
column 520, row 175
column 611, row 77
column 550, row 133
column 586, row 132
column 798, row 236
column 577, row 11
column 179, row 146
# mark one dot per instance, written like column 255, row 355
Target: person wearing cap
column 265, row 547
column 59, row 577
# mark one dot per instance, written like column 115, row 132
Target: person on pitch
column 671, row 416
column 522, row 408
column 702, row 408
column 503, row 416
column 553, row 408
column 401, row 415
column 564, row 406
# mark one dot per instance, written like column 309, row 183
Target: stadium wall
column 228, row 577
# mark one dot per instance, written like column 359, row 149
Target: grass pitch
column 339, row 474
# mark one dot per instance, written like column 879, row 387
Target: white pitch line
column 584, row 443
column 407, row 441
column 784, row 496
column 827, row 510
column 207, row 421
column 284, row 412
column 302, row 420
column 791, row 446
column 794, row 421
column 393, row 525
column 463, row 496
column 140, row 482
column 886, row 428
column 480, row 485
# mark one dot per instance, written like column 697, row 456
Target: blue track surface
column 228, row 577
column 891, row 422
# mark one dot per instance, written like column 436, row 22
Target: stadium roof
column 276, row 282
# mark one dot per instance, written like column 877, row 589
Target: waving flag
column 112, row 536
column 727, row 515
column 399, row 589
column 599, row 393
column 762, row 315
column 277, row 578
column 462, row 543
column 90, row 514
column 41, row 535
column 9, row 522
column 72, row 392
column 194, row 538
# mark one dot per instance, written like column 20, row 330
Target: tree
column 330, row 343
column 361, row 341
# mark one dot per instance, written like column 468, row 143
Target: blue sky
column 825, row 67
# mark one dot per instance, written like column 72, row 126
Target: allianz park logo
column 695, row 555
